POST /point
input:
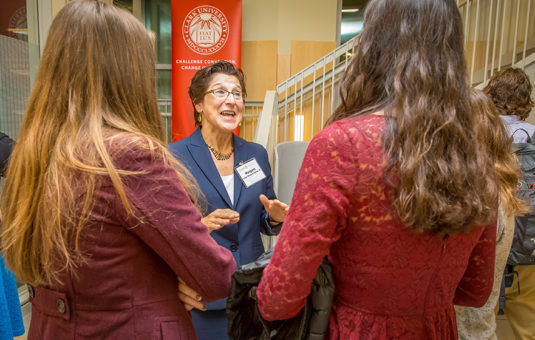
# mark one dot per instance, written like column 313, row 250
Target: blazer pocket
column 170, row 330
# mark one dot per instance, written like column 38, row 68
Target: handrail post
column 266, row 128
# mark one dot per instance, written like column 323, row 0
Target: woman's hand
column 219, row 218
column 275, row 208
column 190, row 298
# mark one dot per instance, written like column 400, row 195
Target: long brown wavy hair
column 93, row 100
column 446, row 164
column 510, row 90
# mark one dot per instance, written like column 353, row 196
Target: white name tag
column 250, row 172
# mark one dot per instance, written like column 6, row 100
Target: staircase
column 498, row 34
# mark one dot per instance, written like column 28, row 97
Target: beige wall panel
column 259, row 63
column 259, row 20
column 306, row 20
column 137, row 9
column 479, row 60
column 283, row 67
column 56, row 6
column 287, row 20
column 305, row 53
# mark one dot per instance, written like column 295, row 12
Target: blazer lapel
column 239, row 155
column 201, row 155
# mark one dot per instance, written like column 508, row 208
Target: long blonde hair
column 95, row 84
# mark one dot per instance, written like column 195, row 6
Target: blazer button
column 233, row 247
column 31, row 291
column 61, row 306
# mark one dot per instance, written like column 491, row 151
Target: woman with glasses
column 234, row 176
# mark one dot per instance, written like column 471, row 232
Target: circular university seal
column 18, row 24
column 205, row 30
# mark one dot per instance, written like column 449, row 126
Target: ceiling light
column 350, row 10
column 351, row 27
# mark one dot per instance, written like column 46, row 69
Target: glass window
column 158, row 20
column 352, row 18
column 14, row 65
column 18, row 61
column 163, row 84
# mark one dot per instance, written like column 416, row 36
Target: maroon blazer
column 128, row 287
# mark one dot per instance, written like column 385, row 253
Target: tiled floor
column 503, row 330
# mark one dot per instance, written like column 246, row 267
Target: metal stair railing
column 498, row 34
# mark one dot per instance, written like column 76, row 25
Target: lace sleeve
column 316, row 218
column 476, row 284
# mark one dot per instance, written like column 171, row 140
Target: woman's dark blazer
column 242, row 238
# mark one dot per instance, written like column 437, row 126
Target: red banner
column 13, row 22
column 204, row 31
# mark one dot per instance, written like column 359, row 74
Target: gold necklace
column 218, row 155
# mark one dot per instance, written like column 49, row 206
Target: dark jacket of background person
column 246, row 322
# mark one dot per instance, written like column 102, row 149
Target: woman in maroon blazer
column 98, row 217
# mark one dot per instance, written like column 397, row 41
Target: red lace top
column 391, row 281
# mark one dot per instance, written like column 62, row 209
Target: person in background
column 6, row 145
column 11, row 322
column 480, row 323
column 511, row 90
column 98, row 217
column 401, row 189
column 234, row 176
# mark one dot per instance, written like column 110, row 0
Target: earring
column 239, row 124
column 200, row 119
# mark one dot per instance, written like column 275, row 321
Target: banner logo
column 18, row 24
column 205, row 30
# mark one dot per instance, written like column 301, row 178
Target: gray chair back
column 287, row 162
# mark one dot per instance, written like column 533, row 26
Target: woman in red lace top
column 401, row 189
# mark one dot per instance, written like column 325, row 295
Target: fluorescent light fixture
column 350, row 10
column 351, row 27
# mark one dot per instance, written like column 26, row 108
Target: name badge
column 250, row 172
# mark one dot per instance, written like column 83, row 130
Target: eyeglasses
column 223, row 94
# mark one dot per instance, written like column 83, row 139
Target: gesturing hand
column 219, row 218
column 275, row 208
